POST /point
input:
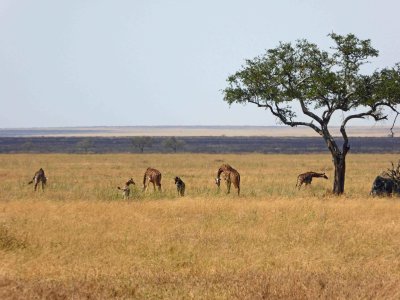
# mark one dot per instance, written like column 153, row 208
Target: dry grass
column 79, row 239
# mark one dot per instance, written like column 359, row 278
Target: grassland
column 79, row 239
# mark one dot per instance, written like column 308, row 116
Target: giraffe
column 39, row 177
column 126, row 190
column 230, row 175
column 153, row 176
column 307, row 177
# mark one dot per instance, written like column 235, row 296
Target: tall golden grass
column 79, row 239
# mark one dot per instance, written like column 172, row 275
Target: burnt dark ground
column 286, row 145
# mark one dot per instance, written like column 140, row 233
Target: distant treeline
column 222, row 144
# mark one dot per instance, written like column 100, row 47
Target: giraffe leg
column 300, row 183
column 145, row 186
column 228, row 185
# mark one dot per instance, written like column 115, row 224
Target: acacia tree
column 142, row 142
column 320, row 83
column 85, row 144
column 173, row 143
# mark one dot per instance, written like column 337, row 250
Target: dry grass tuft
column 8, row 241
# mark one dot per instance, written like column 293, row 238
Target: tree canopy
column 316, row 79
column 173, row 143
column 85, row 144
column 141, row 142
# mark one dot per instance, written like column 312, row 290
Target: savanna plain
column 80, row 239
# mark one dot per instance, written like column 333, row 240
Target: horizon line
column 185, row 126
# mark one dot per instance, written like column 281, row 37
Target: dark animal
column 126, row 190
column 153, row 176
column 384, row 186
column 180, row 186
column 307, row 177
column 39, row 177
column 230, row 175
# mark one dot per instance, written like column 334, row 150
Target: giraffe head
column 130, row 181
column 218, row 181
column 324, row 176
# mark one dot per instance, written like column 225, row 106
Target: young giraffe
column 39, row 177
column 153, row 176
column 307, row 177
column 180, row 186
column 230, row 176
column 126, row 190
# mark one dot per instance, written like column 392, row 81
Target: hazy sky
column 159, row 62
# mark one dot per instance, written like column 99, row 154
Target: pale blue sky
column 159, row 62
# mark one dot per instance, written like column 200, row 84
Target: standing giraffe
column 230, row 175
column 153, row 176
column 39, row 177
column 307, row 177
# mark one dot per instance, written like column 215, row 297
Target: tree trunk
column 339, row 160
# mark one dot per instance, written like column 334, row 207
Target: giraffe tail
column 144, row 182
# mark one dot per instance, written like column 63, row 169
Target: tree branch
column 309, row 113
column 279, row 113
column 327, row 114
column 371, row 113
column 394, row 121
column 301, row 81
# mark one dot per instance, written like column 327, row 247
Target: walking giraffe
column 39, row 177
column 307, row 177
column 230, row 175
column 126, row 190
column 153, row 176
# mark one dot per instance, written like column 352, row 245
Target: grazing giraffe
column 126, row 190
column 230, row 175
column 307, row 177
column 180, row 186
column 153, row 176
column 39, row 177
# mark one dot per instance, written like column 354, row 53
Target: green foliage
column 142, row 142
column 27, row 146
column 173, row 143
column 85, row 145
column 316, row 79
